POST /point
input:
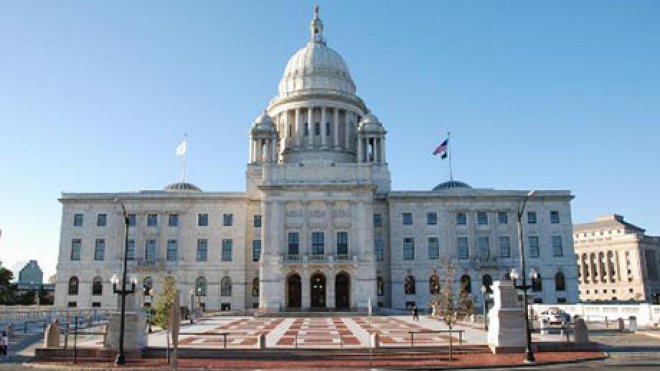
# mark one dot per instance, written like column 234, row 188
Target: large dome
column 316, row 67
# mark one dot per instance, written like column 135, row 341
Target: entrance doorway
column 318, row 291
column 294, row 292
column 343, row 291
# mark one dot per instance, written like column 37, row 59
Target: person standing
column 415, row 313
column 4, row 344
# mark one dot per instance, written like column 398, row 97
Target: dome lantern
column 316, row 27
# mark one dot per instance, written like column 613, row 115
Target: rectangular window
column 433, row 248
column 132, row 220
column 150, row 251
column 72, row 304
column 554, row 217
column 203, row 220
column 130, row 250
column 531, row 217
column 152, row 220
column 227, row 220
column 378, row 220
column 318, row 243
column 482, row 218
column 256, row 222
column 557, row 246
column 77, row 220
column 173, row 220
column 202, row 249
column 408, row 248
column 533, row 242
column 407, row 218
column 502, row 217
column 226, row 250
column 342, row 243
column 483, row 245
column 461, row 218
column 256, row 250
column 101, row 220
column 294, row 243
column 505, row 247
column 172, row 250
column 317, row 129
column 76, row 246
column 432, row 218
column 379, row 249
column 99, row 249
column 306, row 129
column 327, row 129
column 463, row 248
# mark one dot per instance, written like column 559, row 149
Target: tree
column 452, row 307
column 7, row 290
column 164, row 301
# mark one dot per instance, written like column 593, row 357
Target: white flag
column 181, row 148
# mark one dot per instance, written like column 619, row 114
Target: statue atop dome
column 316, row 27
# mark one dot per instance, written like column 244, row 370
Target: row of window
column 483, row 247
column 481, row 218
column 318, row 243
column 172, row 251
column 172, row 220
column 147, row 285
column 409, row 286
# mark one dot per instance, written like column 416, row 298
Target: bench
column 412, row 335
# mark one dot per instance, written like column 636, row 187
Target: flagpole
column 451, row 175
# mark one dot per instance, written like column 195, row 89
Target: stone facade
column 617, row 261
column 318, row 227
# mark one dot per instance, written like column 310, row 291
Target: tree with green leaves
column 7, row 290
column 164, row 301
column 452, row 307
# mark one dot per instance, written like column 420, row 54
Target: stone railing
column 646, row 314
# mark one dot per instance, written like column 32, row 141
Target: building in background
column 616, row 261
column 318, row 227
column 31, row 273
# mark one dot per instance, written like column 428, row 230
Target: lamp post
column 529, row 354
column 192, row 306
column 484, row 294
column 115, row 280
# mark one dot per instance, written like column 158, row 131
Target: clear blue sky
column 95, row 96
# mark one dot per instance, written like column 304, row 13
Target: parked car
column 555, row 316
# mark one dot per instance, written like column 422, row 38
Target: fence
column 647, row 315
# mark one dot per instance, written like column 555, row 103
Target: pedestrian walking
column 415, row 313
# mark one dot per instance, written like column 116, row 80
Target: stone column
column 310, row 127
column 273, row 141
column 347, row 134
column 382, row 154
column 330, row 292
column 324, row 139
column 305, row 289
column 336, row 122
column 299, row 134
column 360, row 156
column 252, row 154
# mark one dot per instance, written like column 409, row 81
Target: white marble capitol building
column 318, row 227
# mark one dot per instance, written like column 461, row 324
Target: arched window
column 466, row 284
column 487, row 282
column 560, row 282
column 434, row 285
column 147, row 285
column 97, row 286
column 73, row 285
column 380, row 286
column 225, row 286
column 409, row 285
column 200, row 286
column 255, row 286
column 537, row 284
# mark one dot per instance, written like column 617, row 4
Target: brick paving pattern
column 318, row 332
column 396, row 332
column 241, row 333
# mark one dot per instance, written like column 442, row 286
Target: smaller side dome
column 370, row 123
column 451, row 184
column 264, row 123
column 182, row 187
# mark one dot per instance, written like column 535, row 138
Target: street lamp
column 121, row 359
column 529, row 354
column 485, row 295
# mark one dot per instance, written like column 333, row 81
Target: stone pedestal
column 135, row 334
column 52, row 336
column 506, row 320
column 581, row 332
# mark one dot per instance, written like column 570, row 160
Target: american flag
column 441, row 149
